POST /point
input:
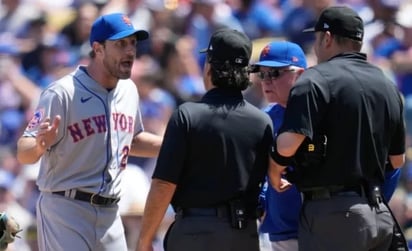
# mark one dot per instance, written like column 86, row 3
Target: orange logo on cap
column 265, row 51
column 126, row 20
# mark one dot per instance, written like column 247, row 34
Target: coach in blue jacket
column 280, row 64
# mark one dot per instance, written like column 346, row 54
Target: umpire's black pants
column 210, row 233
column 344, row 223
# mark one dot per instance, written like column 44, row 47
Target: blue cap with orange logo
column 282, row 54
column 113, row 27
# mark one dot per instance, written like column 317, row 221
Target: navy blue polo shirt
column 359, row 110
column 215, row 150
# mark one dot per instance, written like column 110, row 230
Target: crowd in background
column 41, row 40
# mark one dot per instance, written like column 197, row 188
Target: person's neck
column 105, row 80
column 341, row 50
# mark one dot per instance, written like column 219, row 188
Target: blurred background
column 41, row 40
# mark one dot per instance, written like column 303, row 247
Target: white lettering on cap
column 238, row 60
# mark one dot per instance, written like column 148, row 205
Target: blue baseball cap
column 113, row 27
column 281, row 54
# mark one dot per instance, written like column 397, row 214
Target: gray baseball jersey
column 94, row 136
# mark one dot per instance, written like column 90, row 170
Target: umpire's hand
column 275, row 173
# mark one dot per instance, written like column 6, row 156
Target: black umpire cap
column 229, row 45
column 340, row 20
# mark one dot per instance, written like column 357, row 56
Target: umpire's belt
column 325, row 193
column 93, row 198
column 222, row 211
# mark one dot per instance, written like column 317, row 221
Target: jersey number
column 125, row 154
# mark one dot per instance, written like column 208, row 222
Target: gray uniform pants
column 71, row 225
column 344, row 223
column 210, row 233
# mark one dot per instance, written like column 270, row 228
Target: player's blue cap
column 113, row 27
column 281, row 54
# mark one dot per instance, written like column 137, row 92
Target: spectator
column 380, row 24
column 78, row 30
column 15, row 15
column 301, row 16
column 53, row 60
column 204, row 20
column 259, row 18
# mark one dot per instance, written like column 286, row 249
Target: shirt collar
column 222, row 94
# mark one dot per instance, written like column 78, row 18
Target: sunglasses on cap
column 273, row 74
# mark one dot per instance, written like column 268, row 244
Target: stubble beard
column 115, row 70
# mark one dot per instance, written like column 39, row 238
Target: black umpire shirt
column 358, row 109
column 215, row 150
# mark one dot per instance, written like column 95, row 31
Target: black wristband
column 281, row 160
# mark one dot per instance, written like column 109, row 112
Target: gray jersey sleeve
column 50, row 105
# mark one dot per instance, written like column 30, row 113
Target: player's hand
column 47, row 133
column 262, row 218
column 275, row 173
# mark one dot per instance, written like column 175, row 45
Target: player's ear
column 97, row 47
column 328, row 38
column 299, row 71
column 207, row 76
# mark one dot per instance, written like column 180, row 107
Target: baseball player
column 85, row 126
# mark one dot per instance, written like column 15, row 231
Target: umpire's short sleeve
column 397, row 145
column 171, row 158
column 306, row 105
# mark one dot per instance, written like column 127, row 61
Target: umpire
column 213, row 160
column 350, row 103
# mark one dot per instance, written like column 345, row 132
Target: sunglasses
column 273, row 74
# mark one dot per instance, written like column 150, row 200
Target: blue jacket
column 282, row 209
column 391, row 182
